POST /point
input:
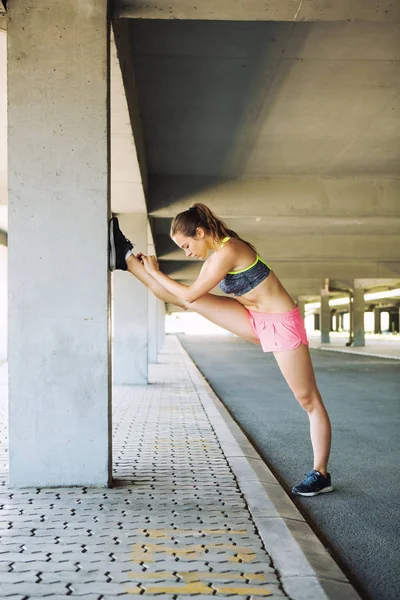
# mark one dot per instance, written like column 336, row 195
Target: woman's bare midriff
column 268, row 297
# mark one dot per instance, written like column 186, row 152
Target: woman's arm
column 212, row 272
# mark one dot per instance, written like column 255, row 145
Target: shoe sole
column 113, row 252
column 323, row 491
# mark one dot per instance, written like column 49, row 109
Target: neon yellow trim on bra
column 226, row 239
column 250, row 267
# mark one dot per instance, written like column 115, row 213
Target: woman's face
column 194, row 247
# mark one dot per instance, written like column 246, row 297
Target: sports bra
column 245, row 280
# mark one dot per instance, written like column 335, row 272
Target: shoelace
column 128, row 242
column 311, row 477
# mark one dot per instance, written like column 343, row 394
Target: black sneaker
column 120, row 246
column 315, row 483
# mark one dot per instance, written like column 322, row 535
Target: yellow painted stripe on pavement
column 188, row 577
column 200, row 588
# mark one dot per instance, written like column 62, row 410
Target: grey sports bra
column 245, row 280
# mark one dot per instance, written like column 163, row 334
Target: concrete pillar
column 156, row 327
column 59, row 394
column 393, row 321
column 358, row 317
column 377, row 320
column 130, row 312
column 161, row 325
column 325, row 319
column 301, row 304
column 337, row 321
column 3, row 303
column 153, row 319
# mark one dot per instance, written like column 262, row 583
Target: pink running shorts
column 279, row 331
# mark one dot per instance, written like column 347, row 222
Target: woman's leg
column 136, row 268
column 223, row 311
column 297, row 369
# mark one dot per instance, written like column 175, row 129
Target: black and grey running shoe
column 120, row 247
column 315, row 483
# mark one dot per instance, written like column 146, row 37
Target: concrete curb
column 306, row 569
column 343, row 351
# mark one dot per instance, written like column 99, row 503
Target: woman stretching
column 262, row 312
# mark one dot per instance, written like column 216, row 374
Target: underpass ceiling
column 245, row 99
column 289, row 131
column 260, row 10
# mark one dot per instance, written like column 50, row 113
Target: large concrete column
column 325, row 321
column 130, row 310
column 59, row 395
column 377, row 320
column 358, row 317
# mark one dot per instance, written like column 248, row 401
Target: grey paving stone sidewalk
column 174, row 525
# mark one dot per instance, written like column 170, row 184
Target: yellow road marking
column 163, row 534
column 145, row 552
column 201, row 588
column 189, row 577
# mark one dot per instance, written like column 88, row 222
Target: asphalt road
column 360, row 521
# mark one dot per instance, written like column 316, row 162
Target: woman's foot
column 119, row 246
column 315, row 483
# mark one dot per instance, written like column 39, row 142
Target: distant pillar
column 130, row 309
column 358, row 317
column 153, row 328
column 317, row 321
column 301, row 305
column 161, row 324
column 325, row 319
column 156, row 327
column 3, row 302
column 377, row 320
column 393, row 321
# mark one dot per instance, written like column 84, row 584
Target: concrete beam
column 260, row 10
column 125, row 55
column 127, row 193
column 339, row 197
column 288, row 269
column 308, row 289
column 315, row 247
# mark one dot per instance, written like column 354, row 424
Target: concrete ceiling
column 289, row 131
column 261, row 10
column 244, row 99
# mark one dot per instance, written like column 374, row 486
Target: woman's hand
column 150, row 263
